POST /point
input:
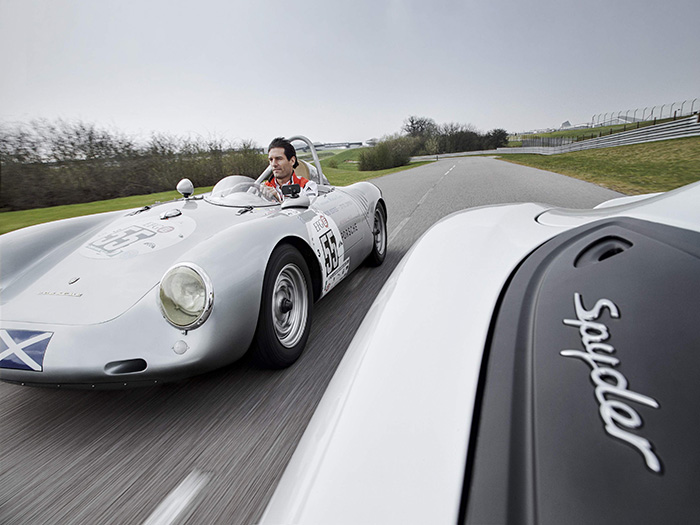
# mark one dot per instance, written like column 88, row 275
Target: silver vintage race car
column 179, row 288
column 523, row 364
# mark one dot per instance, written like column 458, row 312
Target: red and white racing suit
column 308, row 187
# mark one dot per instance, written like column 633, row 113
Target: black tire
column 379, row 242
column 286, row 305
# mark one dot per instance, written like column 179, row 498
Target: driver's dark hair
column 289, row 151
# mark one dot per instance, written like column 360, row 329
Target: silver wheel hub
column 379, row 232
column 290, row 305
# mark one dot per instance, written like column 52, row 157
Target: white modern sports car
column 179, row 288
column 523, row 364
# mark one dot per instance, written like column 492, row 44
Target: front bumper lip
column 129, row 351
column 101, row 376
column 89, row 386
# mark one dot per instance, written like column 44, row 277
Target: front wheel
column 284, row 321
column 376, row 257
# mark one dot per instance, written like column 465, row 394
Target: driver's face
column 282, row 167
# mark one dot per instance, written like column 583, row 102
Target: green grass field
column 635, row 169
column 347, row 170
column 341, row 166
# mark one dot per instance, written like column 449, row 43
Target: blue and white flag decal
column 23, row 349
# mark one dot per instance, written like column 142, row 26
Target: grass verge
column 633, row 170
column 342, row 169
column 343, row 176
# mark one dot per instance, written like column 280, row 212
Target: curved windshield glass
column 238, row 191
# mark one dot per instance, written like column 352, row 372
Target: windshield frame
column 238, row 191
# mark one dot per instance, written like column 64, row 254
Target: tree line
column 50, row 163
column 45, row 163
column 422, row 136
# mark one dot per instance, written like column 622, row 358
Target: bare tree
column 422, row 127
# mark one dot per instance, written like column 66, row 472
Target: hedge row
column 50, row 164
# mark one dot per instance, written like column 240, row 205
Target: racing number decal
column 327, row 241
column 121, row 239
column 148, row 235
column 330, row 251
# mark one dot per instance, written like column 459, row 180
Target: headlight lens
column 186, row 296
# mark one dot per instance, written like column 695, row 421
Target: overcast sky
column 337, row 71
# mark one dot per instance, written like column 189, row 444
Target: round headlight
column 186, row 296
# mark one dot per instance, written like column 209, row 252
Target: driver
column 283, row 160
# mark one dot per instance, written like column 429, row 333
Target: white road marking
column 398, row 229
column 425, row 196
column 171, row 507
column 421, row 201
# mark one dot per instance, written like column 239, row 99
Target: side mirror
column 185, row 187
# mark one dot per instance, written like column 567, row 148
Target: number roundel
column 327, row 242
column 330, row 251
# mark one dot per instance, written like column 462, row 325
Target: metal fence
column 547, row 142
column 672, row 110
column 687, row 127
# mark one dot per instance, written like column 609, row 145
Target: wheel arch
column 380, row 202
column 311, row 261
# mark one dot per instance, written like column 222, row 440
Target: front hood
column 676, row 208
column 116, row 267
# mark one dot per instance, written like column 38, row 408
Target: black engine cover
column 589, row 393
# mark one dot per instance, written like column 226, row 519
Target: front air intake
column 128, row 366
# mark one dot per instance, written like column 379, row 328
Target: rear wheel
column 376, row 257
column 285, row 309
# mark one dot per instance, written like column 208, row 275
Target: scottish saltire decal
column 23, row 349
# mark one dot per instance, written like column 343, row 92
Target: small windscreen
column 239, row 191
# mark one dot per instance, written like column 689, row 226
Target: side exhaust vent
column 601, row 250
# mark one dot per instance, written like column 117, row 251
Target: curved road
column 211, row 449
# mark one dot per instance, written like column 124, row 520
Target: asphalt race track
column 211, row 449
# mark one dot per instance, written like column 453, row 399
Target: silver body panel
column 92, row 283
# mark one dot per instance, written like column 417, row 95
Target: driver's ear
column 296, row 162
